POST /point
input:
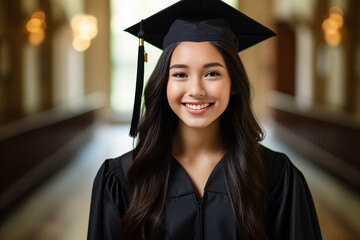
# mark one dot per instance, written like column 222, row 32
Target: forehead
column 196, row 52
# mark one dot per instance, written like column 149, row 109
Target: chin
column 196, row 124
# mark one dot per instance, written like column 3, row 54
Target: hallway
column 58, row 210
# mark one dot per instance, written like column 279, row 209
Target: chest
column 211, row 218
column 198, row 175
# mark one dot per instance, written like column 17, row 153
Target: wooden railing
column 34, row 148
column 328, row 137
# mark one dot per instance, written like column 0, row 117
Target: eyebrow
column 213, row 64
column 179, row 66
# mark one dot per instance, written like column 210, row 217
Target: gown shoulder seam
column 275, row 163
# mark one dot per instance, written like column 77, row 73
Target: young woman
column 198, row 170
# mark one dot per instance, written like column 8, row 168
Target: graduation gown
column 289, row 210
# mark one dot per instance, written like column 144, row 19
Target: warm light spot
column 76, row 20
column 33, row 25
column 332, row 27
column 81, row 43
column 337, row 18
column 84, row 29
column 329, row 24
column 333, row 38
column 88, row 28
column 36, row 38
column 36, row 27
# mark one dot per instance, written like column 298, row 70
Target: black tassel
column 139, row 85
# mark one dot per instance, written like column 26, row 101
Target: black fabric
column 195, row 29
column 289, row 210
column 158, row 26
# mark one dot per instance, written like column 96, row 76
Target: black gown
column 289, row 210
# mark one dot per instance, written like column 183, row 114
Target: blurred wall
column 41, row 69
column 259, row 60
column 54, row 86
column 306, row 80
column 315, row 99
column 97, row 57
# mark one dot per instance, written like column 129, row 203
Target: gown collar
column 180, row 183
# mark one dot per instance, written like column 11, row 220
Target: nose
column 196, row 87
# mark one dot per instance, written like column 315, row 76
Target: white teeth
column 197, row 107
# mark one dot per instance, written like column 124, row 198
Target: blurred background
column 67, row 81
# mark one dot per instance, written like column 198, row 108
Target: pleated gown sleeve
column 291, row 211
column 108, row 203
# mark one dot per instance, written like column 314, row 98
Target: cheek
column 173, row 91
column 221, row 91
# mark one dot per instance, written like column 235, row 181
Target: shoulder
column 111, row 178
column 109, row 199
column 119, row 164
column 277, row 165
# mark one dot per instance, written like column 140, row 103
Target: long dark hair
column 148, row 175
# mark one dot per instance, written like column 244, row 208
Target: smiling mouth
column 197, row 106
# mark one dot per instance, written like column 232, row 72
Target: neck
column 192, row 142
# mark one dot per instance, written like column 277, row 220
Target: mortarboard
column 195, row 21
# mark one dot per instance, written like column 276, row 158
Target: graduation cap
column 195, row 21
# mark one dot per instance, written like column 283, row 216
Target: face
column 199, row 85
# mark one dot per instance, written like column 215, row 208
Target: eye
column 179, row 75
column 212, row 74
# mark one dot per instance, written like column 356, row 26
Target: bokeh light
column 36, row 38
column 81, row 43
column 84, row 29
column 36, row 26
column 332, row 27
